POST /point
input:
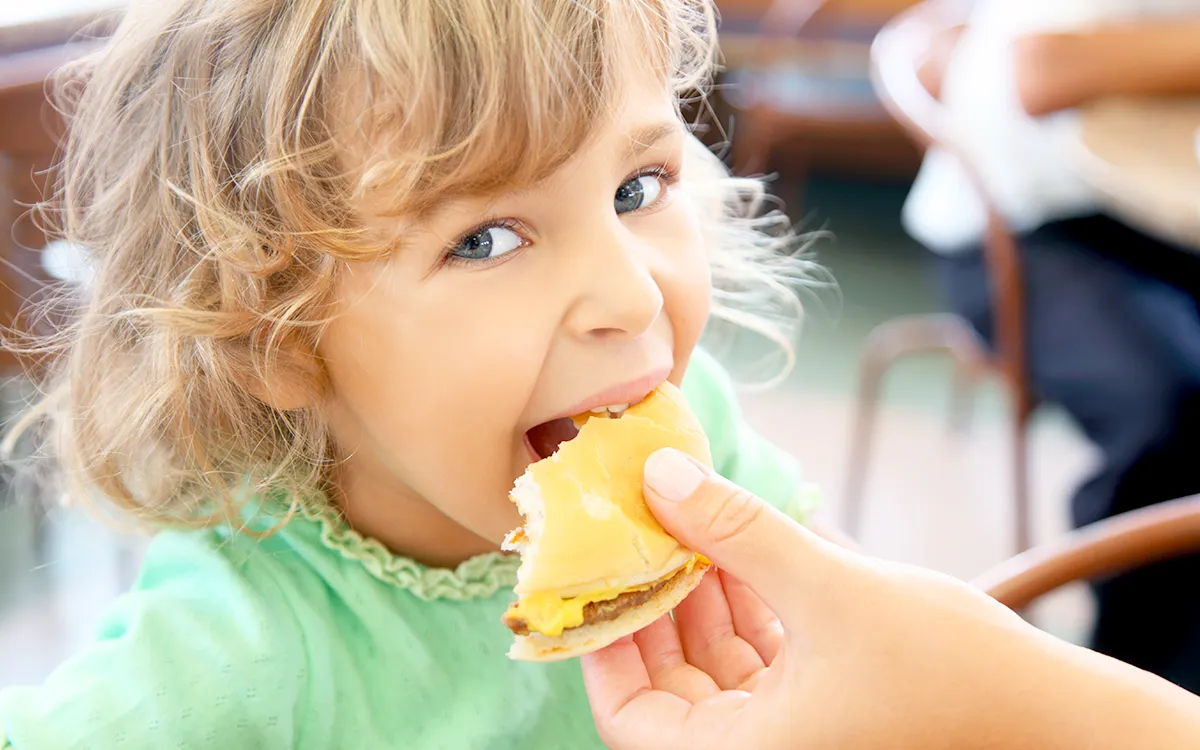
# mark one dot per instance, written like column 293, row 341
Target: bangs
column 466, row 97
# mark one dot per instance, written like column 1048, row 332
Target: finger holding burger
column 791, row 641
column 780, row 638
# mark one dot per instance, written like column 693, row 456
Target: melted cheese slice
column 549, row 614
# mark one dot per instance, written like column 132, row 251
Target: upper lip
column 628, row 393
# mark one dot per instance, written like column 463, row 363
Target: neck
column 378, row 507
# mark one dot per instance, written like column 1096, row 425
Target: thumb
column 776, row 557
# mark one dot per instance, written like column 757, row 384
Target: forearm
column 1064, row 696
column 1060, row 71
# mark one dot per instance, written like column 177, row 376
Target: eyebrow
column 644, row 137
column 640, row 140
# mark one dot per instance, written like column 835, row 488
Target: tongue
column 546, row 437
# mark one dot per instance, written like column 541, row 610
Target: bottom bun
column 588, row 638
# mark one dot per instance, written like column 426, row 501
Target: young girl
column 350, row 258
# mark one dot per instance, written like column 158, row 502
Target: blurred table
column 1143, row 157
column 796, row 94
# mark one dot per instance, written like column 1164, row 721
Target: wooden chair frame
column 896, row 56
column 761, row 128
column 1100, row 550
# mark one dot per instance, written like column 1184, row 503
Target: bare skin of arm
column 797, row 643
column 1063, row 70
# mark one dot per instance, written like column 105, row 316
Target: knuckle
column 735, row 511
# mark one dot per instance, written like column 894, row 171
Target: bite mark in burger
column 595, row 564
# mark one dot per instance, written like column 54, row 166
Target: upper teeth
column 615, row 409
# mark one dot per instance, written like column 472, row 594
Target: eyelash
column 450, row 259
column 668, row 175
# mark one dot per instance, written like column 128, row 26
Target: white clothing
column 1019, row 157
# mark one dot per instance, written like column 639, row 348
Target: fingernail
column 672, row 474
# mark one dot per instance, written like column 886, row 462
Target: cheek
column 422, row 386
column 405, row 351
column 428, row 388
column 687, row 281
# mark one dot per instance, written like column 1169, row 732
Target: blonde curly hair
column 203, row 169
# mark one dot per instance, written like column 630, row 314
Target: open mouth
column 545, row 438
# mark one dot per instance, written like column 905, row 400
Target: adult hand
column 797, row 643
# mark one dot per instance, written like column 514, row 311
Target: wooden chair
column 1100, row 550
column 799, row 84
column 896, row 56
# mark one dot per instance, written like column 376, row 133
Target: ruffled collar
column 476, row 578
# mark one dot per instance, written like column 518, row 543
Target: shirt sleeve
column 191, row 658
column 739, row 453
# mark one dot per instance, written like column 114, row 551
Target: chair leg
column 886, row 344
column 872, row 370
column 1022, row 517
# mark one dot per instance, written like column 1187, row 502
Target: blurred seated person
column 1113, row 328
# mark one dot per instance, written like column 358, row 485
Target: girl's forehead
column 503, row 101
column 402, row 177
column 641, row 117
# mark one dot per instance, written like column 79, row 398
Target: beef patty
column 594, row 612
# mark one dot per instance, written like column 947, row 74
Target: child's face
column 499, row 314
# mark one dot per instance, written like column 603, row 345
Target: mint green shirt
column 315, row 637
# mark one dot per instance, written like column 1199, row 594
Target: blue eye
column 486, row 243
column 638, row 192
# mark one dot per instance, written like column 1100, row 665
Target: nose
column 618, row 293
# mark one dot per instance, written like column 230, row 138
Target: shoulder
column 704, row 375
column 203, row 649
column 710, row 393
column 237, row 592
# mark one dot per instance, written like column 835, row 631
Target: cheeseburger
column 595, row 564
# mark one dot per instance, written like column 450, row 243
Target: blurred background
column 935, row 476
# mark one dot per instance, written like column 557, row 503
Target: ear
column 295, row 378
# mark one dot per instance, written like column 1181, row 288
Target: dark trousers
column 1113, row 337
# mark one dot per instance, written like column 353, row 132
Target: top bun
column 587, row 526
